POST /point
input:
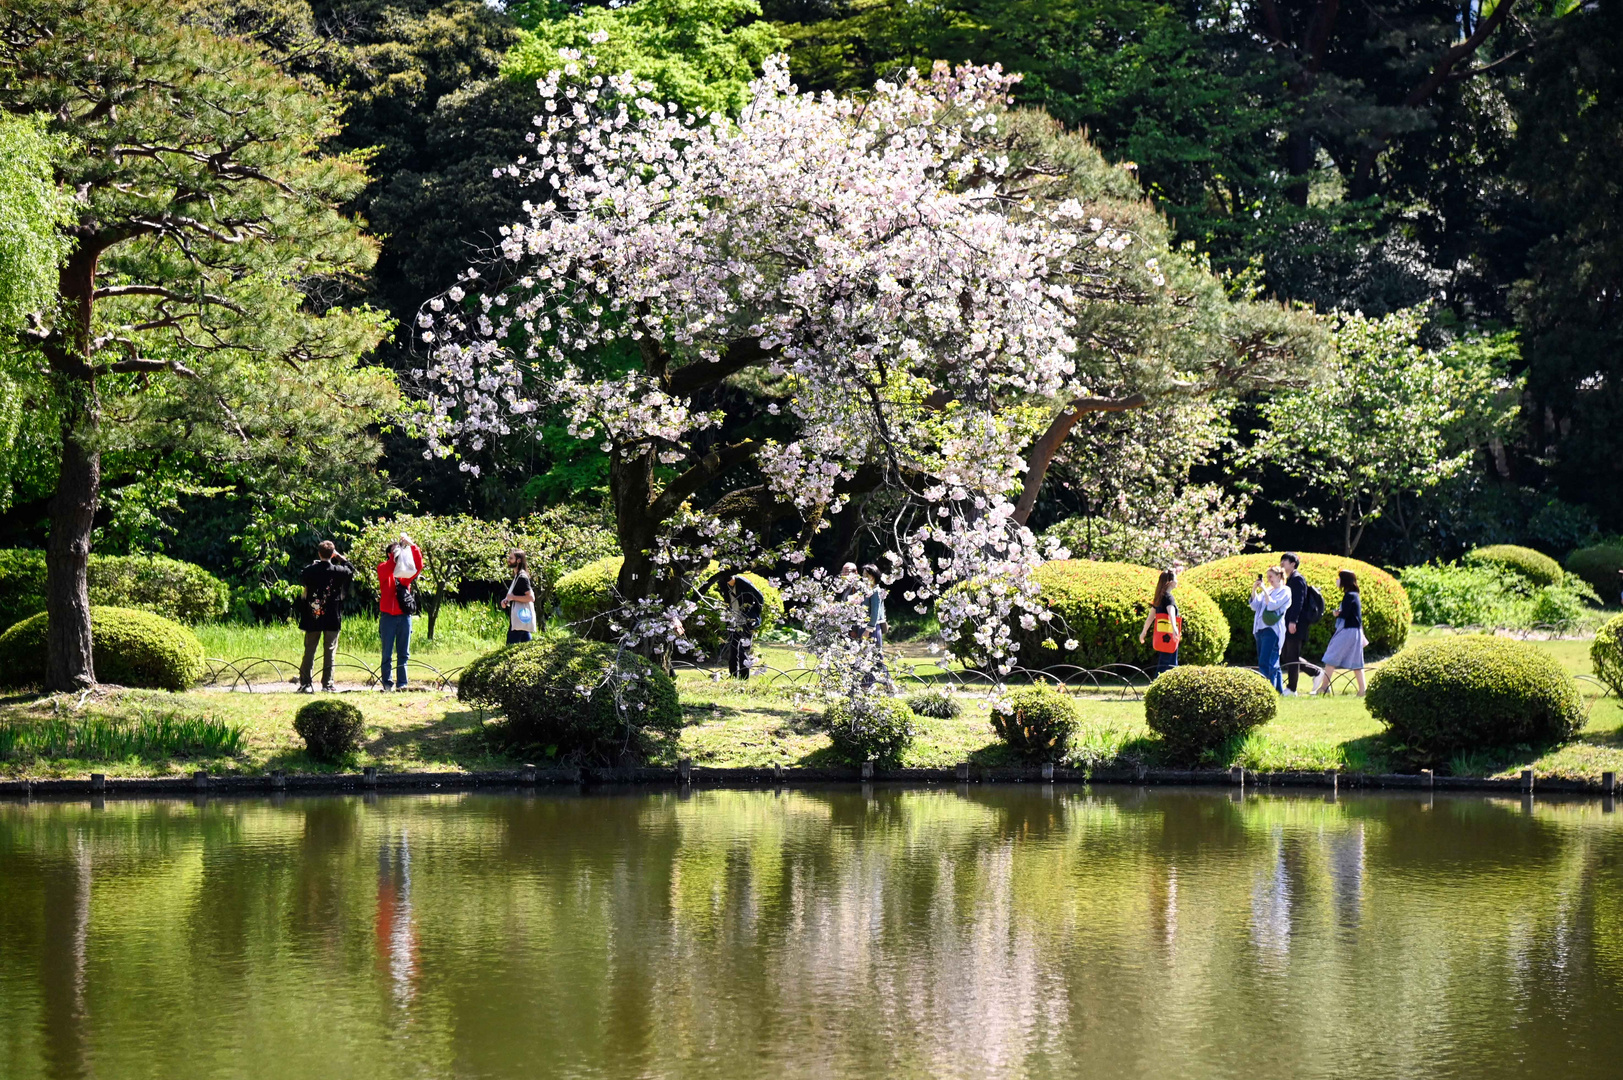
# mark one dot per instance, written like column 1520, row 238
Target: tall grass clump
column 97, row 738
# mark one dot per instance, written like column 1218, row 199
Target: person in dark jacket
column 1346, row 650
column 321, row 611
column 745, row 605
column 1290, row 651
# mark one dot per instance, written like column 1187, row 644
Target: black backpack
column 406, row 596
column 1312, row 606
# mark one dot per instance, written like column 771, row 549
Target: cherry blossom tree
column 761, row 318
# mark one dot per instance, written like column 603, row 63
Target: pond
column 994, row 931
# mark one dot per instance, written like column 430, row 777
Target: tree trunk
column 68, row 663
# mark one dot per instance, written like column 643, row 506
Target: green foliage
column 1535, row 566
column 1197, row 709
column 869, row 726
column 168, row 587
column 128, row 648
column 586, row 599
column 574, row 698
column 1599, row 567
column 1387, row 614
column 31, row 211
column 1450, row 595
column 1102, row 606
column 700, row 54
column 331, row 729
column 1037, row 722
column 1606, row 653
column 1374, row 430
column 934, row 703
column 1471, row 692
column 151, row 734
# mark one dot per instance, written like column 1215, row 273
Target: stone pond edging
column 686, row 774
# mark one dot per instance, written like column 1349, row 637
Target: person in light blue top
column 876, row 606
column 1270, row 600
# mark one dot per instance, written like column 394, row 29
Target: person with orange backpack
column 1166, row 623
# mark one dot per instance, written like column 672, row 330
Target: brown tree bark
column 68, row 663
column 1042, row 452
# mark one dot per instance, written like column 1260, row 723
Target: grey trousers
column 331, row 651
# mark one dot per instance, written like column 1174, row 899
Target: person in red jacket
column 394, row 621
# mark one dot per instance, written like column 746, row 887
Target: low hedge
column 936, row 703
column 1599, row 566
column 564, row 695
column 127, row 648
column 1474, row 691
column 1387, row 614
column 164, row 586
column 585, row 597
column 1606, row 653
column 1537, row 568
column 1101, row 606
column 1198, row 709
column 1037, row 721
column 331, row 729
column 870, row 727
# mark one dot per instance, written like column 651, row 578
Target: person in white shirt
column 1270, row 600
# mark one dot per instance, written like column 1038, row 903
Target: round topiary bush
column 935, row 703
column 575, row 698
column 1599, row 566
column 1198, row 709
column 870, row 727
column 1607, row 655
column 127, row 648
column 1387, row 613
column 331, row 729
column 1537, row 568
column 1474, row 691
column 168, row 587
column 1037, row 721
column 586, row 598
column 1101, row 606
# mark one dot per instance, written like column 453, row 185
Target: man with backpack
column 321, row 612
column 1307, row 608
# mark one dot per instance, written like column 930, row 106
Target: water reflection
column 968, row 932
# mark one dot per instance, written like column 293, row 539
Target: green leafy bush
column 127, row 648
column 870, row 727
column 1489, row 594
column 168, row 587
column 1387, row 613
column 1037, row 721
column 1471, row 692
column 1606, row 653
column 1598, row 567
column 586, row 598
column 331, row 729
column 1198, row 709
column 574, row 698
column 1534, row 566
column 934, row 703
column 1100, row 607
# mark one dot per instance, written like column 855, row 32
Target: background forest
column 1448, row 175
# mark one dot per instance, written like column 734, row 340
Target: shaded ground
column 754, row 724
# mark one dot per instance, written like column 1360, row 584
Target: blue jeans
column 517, row 637
column 395, row 630
column 1268, row 657
column 1165, row 661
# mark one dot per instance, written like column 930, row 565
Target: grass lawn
column 742, row 724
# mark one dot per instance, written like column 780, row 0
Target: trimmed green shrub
column 870, row 727
column 331, row 729
column 934, row 703
column 1198, row 709
column 585, row 597
column 168, row 587
column 1101, row 607
column 127, row 648
column 1606, row 653
column 1472, row 692
column 574, row 698
column 1599, row 566
column 1037, row 721
column 1535, row 566
column 1387, row 614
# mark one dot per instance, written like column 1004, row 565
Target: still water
column 1004, row 931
